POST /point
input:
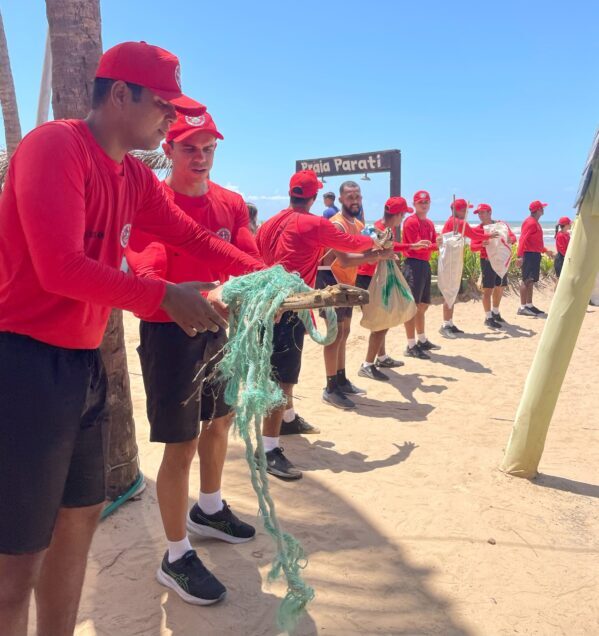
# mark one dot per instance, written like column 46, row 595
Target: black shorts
column 490, row 278
column 177, row 372
column 558, row 263
column 288, row 344
column 418, row 276
column 531, row 266
column 324, row 278
column 52, row 422
column 363, row 281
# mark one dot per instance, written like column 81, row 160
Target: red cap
column 187, row 125
column 564, row 220
column 460, row 204
column 536, row 205
column 422, row 196
column 152, row 67
column 483, row 207
column 304, row 184
column 397, row 205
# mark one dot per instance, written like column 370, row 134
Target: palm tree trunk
column 8, row 98
column 75, row 39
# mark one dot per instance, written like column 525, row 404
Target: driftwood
column 332, row 296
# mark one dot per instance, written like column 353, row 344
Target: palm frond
column 155, row 160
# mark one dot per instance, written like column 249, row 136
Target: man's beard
column 351, row 212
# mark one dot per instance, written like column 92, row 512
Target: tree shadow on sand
column 567, row 485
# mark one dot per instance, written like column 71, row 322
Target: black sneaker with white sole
column 338, row 399
column 388, row 363
column 223, row 525
column 526, row 311
column 498, row 318
column 537, row 311
column 191, row 580
column 298, row 426
column 427, row 345
column 279, row 466
column 447, row 332
column 350, row 389
column 492, row 324
column 416, row 352
column 370, row 371
column 456, row 330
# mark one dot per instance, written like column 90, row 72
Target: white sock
column 270, row 443
column 210, row 502
column 411, row 342
column 523, row 306
column 447, row 323
column 176, row 549
column 289, row 415
column 489, row 314
column 367, row 364
column 528, row 305
column 381, row 358
column 495, row 310
column 421, row 337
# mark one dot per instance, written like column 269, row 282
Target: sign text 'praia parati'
column 380, row 161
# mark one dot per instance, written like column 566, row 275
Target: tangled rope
column 254, row 302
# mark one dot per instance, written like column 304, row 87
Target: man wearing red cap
column 71, row 194
column 295, row 239
column 176, row 367
column 562, row 240
column 530, row 248
column 456, row 223
column 417, row 271
column 493, row 285
column 396, row 208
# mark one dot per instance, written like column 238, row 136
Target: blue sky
column 492, row 102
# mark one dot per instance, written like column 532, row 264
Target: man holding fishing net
column 185, row 402
column 296, row 239
column 70, row 197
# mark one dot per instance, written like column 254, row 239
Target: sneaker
column 416, row 352
column 526, row 311
column 223, row 525
column 350, row 389
column 427, row 345
column 537, row 311
column 338, row 399
column 191, row 580
column 388, row 363
column 456, row 330
column 279, row 466
column 298, row 426
column 492, row 324
column 370, row 371
column 447, row 332
column 498, row 318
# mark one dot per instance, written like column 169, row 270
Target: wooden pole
column 567, row 311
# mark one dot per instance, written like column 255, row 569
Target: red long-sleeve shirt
column 531, row 237
column 477, row 244
column 295, row 239
column 368, row 269
column 414, row 230
column 454, row 224
column 561, row 242
column 65, row 219
column 221, row 211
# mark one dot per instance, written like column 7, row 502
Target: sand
column 409, row 525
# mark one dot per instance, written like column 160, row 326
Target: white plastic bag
column 450, row 267
column 499, row 250
column 391, row 302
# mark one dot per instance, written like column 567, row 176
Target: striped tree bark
column 8, row 98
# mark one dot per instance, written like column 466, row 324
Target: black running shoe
column 350, row 389
column 338, row 399
column 492, row 324
column 388, row 363
column 298, row 426
column 537, row 311
column 416, row 352
column 223, row 525
column 498, row 318
column 526, row 311
column 456, row 330
column 370, row 371
column 279, row 466
column 427, row 345
column 191, row 580
column 447, row 332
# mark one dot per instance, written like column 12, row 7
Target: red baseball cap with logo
column 304, row 184
column 422, row 196
column 187, row 125
column 483, row 207
column 565, row 220
column 397, row 205
column 536, row 205
column 151, row 67
column 460, row 204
